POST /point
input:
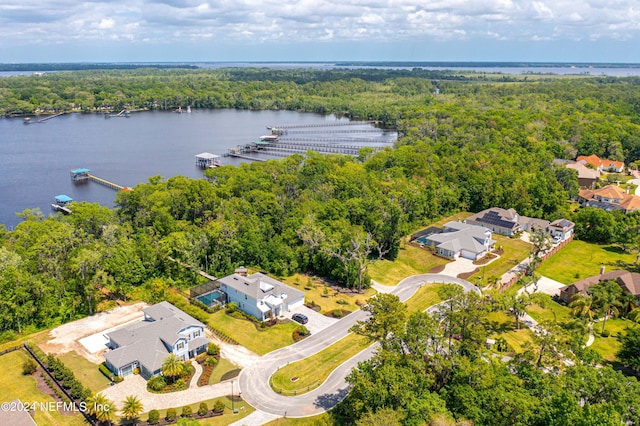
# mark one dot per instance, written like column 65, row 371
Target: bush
column 218, row 406
column 105, row 371
column 187, row 411
column 180, row 384
column 605, row 333
column 231, row 308
column 118, row 379
column 156, row 383
column 29, row 367
column 203, row 409
column 171, row 414
column 154, row 417
column 211, row 361
column 213, row 349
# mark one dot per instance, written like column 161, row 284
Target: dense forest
column 467, row 143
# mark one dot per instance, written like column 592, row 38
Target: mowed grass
column 312, row 371
column 244, row 409
column 515, row 251
column 411, row 260
column 318, row 291
column 222, row 367
column 504, row 325
column 552, row 311
column 13, row 385
column 321, row 419
column 579, row 260
column 86, row 371
column 246, row 333
column 608, row 347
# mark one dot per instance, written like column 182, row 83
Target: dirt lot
column 66, row 337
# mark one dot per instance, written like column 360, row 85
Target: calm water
column 35, row 159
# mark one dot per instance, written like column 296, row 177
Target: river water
column 35, row 159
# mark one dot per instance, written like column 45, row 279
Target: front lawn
column 411, row 260
column 223, row 369
column 552, row 311
column 13, row 385
column 426, row 296
column 579, row 260
column 504, row 325
column 246, row 333
column 515, row 251
column 86, row 371
column 243, row 410
column 320, row 419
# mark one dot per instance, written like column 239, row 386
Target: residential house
column 601, row 164
column 628, row 281
column 498, row 220
column 260, row 295
column 587, row 177
column 145, row 345
column 609, row 198
column 459, row 239
column 561, row 229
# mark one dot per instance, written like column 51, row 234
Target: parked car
column 301, row 318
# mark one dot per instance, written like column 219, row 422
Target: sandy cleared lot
column 68, row 337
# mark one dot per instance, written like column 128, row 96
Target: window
column 196, row 334
column 180, row 346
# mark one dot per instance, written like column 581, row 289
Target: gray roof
column 532, row 222
column 497, row 216
column 461, row 236
column 149, row 341
column 259, row 286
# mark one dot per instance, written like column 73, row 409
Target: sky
column 319, row 30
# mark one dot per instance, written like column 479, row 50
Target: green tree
column 386, row 321
column 102, row 408
column 172, row 367
column 629, row 353
column 606, row 297
column 131, row 407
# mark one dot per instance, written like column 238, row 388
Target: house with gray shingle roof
column 165, row 329
column 459, row 239
column 260, row 295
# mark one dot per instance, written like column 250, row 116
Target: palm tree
column 606, row 296
column 581, row 306
column 101, row 407
column 131, row 407
column 172, row 366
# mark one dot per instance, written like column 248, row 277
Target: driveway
column 317, row 322
column 459, row 266
column 547, row 286
column 254, row 380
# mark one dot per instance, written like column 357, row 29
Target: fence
column 203, row 289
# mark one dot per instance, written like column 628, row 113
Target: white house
column 260, row 295
column 145, row 345
column 461, row 239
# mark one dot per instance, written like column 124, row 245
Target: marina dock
column 60, row 204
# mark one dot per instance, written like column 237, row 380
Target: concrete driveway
column 545, row 285
column 317, row 322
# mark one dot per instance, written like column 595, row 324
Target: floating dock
column 124, row 113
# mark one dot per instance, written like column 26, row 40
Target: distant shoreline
column 80, row 66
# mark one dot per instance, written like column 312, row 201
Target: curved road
column 254, row 380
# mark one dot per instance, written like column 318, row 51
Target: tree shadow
column 330, row 400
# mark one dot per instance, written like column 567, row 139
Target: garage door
column 127, row 370
column 296, row 302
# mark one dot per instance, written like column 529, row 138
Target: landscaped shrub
column 187, row 411
column 118, row 379
column 154, row 417
column 203, row 409
column 105, row 371
column 231, row 308
column 605, row 333
column 218, row 406
column 156, row 383
column 180, row 384
column 300, row 333
column 211, row 361
column 29, row 366
column 171, row 414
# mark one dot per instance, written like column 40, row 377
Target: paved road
column 254, row 379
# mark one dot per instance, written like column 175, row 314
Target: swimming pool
column 210, row 299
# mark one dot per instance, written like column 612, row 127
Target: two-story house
column 260, row 295
column 145, row 345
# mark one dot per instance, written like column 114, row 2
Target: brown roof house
column 609, row 198
column 601, row 164
column 628, row 281
column 586, row 177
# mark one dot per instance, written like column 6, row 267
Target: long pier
column 106, row 183
column 330, row 140
column 28, row 120
column 84, row 175
column 246, row 157
column 327, row 124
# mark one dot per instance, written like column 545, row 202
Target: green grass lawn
column 13, row 385
column 223, row 367
column 321, row 419
column 227, row 418
column 315, row 369
column 411, row 260
column 246, row 333
column 426, row 296
column 579, row 260
column 86, row 371
column 552, row 311
column 515, row 251
column 608, row 347
column 504, row 325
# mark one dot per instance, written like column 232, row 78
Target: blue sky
column 319, row 30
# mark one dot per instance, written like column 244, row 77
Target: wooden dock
column 84, row 175
column 106, row 183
